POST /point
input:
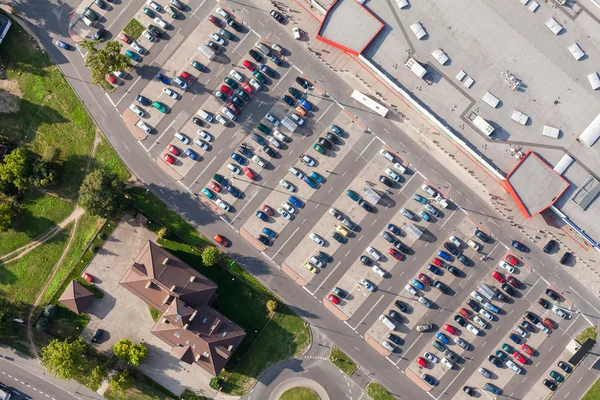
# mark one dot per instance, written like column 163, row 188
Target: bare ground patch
column 10, row 95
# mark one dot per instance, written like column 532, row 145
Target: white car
column 486, row 314
column 307, row 160
column 277, row 48
column 317, row 239
column 368, row 285
column 455, row 241
column 379, row 271
column 274, row 142
column 284, row 213
column 507, row 266
column 228, row 113
column 464, row 345
column 297, row 118
column 170, row 93
column 200, row 143
column 424, row 301
column 234, row 169
column 280, row 136
column 560, row 312
column 259, row 161
column 521, row 331
column 287, row 185
column 222, row 13
column 136, row 110
column 430, row 357
column 148, row 36
column 513, row 366
column 298, row 174
column 296, row 33
column 222, row 205
column 221, row 120
column 273, row 120
column 204, row 135
column 180, row 83
column 447, row 363
column 316, row 261
column 373, row 253
column 137, row 47
column 474, row 245
column 429, row 190
column 484, row 372
column 477, row 296
column 217, row 39
column 472, row 329
column 255, row 85
column 153, row 5
column 480, row 322
column 410, row 289
column 118, row 74
column 143, row 126
column 543, row 328
column 288, row 207
column 236, row 75
column 387, row 345
column 161, row 23
column 392, row 175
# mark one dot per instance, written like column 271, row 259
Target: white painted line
column 165, row 131
column 324, row 112
column 201, row 172
column 367, row 146
column 109, row 99
column 407, row 182
column 368, row 312
column 281, row 79
column 328, row 276
column 127, row 91
column 451, row 382
column 245, row 205
column 284, row 243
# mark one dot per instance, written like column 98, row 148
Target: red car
column 466, row 313
column 424, row 278
column 249, row 65
column 498, row 276
column 247, row 88
column 422, row 362
column 438, row 263
column 124, row 37
column 396, row 254
column 227, row 90
column 168, row 158
column 267, row 210
column 450, row 329
column 513, row 282
column 333, row 298
column 221, row 240
column 511, row 260
column 249, row 173
column 111, row 78
column 87, row 277
column 550, row 324
column 214, row 20
column 519, row 357
column 186, row 77
column 214, row 186
column 527, row 349
column 173, row 149
column 233, row 108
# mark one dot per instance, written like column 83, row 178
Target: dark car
column 527, row 325
column 552, row 294
column 295, row 92
column 245, row 151
column 234, row 24
column 267, row 70
column 451, row 248
column 401, row 306
column 233, row 191
column 99, row 34
column 429, row 379
column 550, row 245
column 494, row 360
column 386, row 181
column 532, row 317
column 394, row 229
column 440, row 286
column 332, row 138
column 237, row 101
column 197, row 121
column 565, row 367
column 394, row 314
column 468, row 390
column 544, row 303
column 365, row 260
column 482, row 236
column 323, row 256
column 518, row 245
column 508, row 289
column 434, row 269
column 290, row 101
column 550, row 384
column 325, row 143
column 395, row 339
column 270, row 152
column 514, row 282
column 401, row 246
column 155, row 31
column 474, row 305
column 262, row 216
column 365, row 205
column 278, row 17
column 453, row 270
column 460, row 320
column 256, row 55
column 500, row 296
column 142, row 100
column 302, row 82
column 258, row 139
column 263, row 239
column 565, row 258
column 96, row 336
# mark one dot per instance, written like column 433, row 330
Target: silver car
column 424, row 301
column 287, row 185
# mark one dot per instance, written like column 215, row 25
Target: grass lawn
column 133, row 29
column 39, row 214
column 594, row 392
column 107, row 158
column 342, row 361
column 154, row 313
column 51, row 117
column 376, row 391
column 299, row 393
column 587, row 333
column 144, row 389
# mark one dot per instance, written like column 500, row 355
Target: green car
column 159, row 106
column 231, row 82
column 265, row 129
column 507, row 348
column 89, row 13
column 208, row 193
column 339, row 238
column 353, row 195
column 197, row 65
column 132, row 55
column 438, row 345
column 259, row 76
column 220, row 179
column 148, row 12
column 319, row 148
column 557, row 377
column 501, row 355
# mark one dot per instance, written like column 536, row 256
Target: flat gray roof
column 349, row 25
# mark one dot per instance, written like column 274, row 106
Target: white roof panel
column 440, row 56
column 591, row 133
column 418, row 30
column 490, row 99
column 550, row 131
column 519, row 117
column 576, row 51
column 554, row 26
column 594, row 80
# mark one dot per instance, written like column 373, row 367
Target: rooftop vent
column 186, row 326
column 192, row 278
column 193, row 315
column 165, row 261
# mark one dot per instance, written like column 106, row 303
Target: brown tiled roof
column 76, row 297
column 195, row 331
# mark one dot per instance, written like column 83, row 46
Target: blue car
column 142, row 100
column 394, row 229
column 262, row 216
column 233, row 191
column 463, row 259
column 317, row 177
column 268, row 232
column 444, row 255
column 418, row 198
column 275, row 59
column 191, row 154
column 515, row 338
column 238, row 158
column 245, row 152
column 417, row 283
column 443, row 338
column 242, row 94
column 258, row 139
column 424, row 215
column 305, row 104
column 491, row 307
column 434, row 269
column 132, row 55
column 518, row 245
column 310, row 182
column 162, row 78
column 295, row 202
column 266, row 70
column 63, row 45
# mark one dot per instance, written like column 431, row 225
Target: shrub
column 42, row 324
column 215, row 383
column 163, row 233
column 121, row 381
column 211, row 256
column 272, row 305
column 102, row 236
column 50, row 310
column 94, row 248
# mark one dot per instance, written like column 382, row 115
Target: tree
column 137, row 354
column 121, row 381
column 16, row 169
column 101, row 193
column 64, row 359
column 43, row 173
column 104, row 61
column 272, row 305
column 96, row 377
column 122, row 348
column 50, row 310
column 163, row 233
column 7, row 213
column 42, row 324
column 211, row 256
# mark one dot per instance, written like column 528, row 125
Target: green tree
column 50, row 310
column 42, row 324
column 137, row 354
column 64, row 359
column 96, row 377
column 163, row 233
column 121, row 381
column 272, row 305
column 122, row 349
column 16, row 169
column 43, row 173
column 211, row 256
column 104, row 61
column 101, row 193
column 7, row 214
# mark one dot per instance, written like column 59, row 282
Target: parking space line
column 450, row 384
column 201, row 4
column 406, row 352
column 290, row 238
column 325, row 112
column 367, row 146
column 281, row 79
column 367, row 314
column 245, row 205
column 328, row 276
column 109, row 99
column 201, row 172
column 127, row 91
column 165, row 131
column 407, row 182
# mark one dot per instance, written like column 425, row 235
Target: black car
column 332, row 138
column 544, row 303
column 213, row 45
column 245, row 152
column 460, row 320
column 401, row 306
column 549, row 246
column 474, row 305
column 441, row 287
column 482, row 236
column 290, row 102
column 325, row 143
column 143, row 100
column 365, row 205
column 394, row 314
column 387, row 236
column 453, row 270
column 365, row 260
column 96, row 336
column 532, row 317
column 550, row 384
column 258, row 139
column 278, row 17
column 527, row 325
column 395, row 339
column 221, row 96
column 508, row 289
column 99, row 34
column 469, row 391
column 269, row 151
column 494, row 360
column 233, row 191
column 197, row 121
column 234, row 24
column 155, row 31
column 552, row 294
column 401, row 246
column 451, row 248
column 302, row 82
column 429, row 379
column 237, row 101
column 500, row 296
column 295, row 92
column 263, row 239
column 256, row 55
column 565, row 367
column 565, row 258
column 386, row 181
column 323, row 256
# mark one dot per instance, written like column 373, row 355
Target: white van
column 259, row 161
column 400, row 168
column 86, row 20
column 263, row 48
column 181, row 137
column 279, row 135
column 387, row 345
column 204, row 115
column 387, row 322
column 379, row 271
column 389, row 156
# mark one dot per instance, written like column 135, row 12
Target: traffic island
column 130, row 119
column 252, row 240
column 299, row 393
column 334, row 310
column 376, row 391
column 342, row 361
column 376, row 345
column 166, row 167
column 209, row 204
column 293, row 274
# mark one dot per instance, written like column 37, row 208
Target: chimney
column 148, row 285
column 173, row 288
column 165, row 261
column 230, row 348
column 192, row 278
column 186, row 326
column 167, row 299
column 193, row 315
column 216, row 324
column 165, row 321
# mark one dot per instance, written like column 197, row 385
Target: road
column 50, row 22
